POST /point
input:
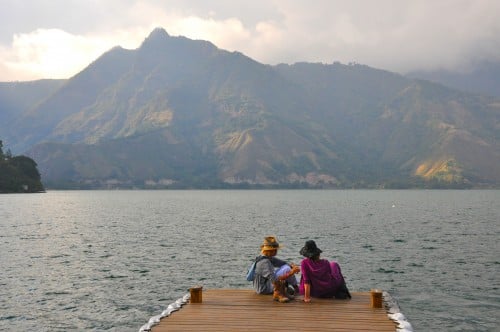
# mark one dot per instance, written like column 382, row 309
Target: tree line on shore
column 18, row 174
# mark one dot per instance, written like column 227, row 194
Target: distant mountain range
column 181, row 113
column 482, row 78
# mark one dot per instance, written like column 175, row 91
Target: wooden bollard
column 376, row 296
column 196, row 294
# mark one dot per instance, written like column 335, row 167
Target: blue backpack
column 251, row 269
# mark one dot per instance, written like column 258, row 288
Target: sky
column 59, row 38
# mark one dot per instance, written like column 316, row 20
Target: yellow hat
column 270, row 243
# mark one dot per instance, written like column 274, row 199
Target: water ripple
column 110, row 260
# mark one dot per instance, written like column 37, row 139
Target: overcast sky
column 59, row 38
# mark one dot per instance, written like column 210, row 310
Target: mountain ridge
column 198, row 116
column 481, row 78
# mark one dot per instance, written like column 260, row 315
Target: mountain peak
column 158, row 35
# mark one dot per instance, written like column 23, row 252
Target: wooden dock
column 243, row 310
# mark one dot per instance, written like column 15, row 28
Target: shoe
column 279, row 298
column 279, row 292
column 290, row 292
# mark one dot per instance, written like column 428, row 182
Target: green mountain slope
column 183, row 113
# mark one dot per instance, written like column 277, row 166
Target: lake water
column 109, row 260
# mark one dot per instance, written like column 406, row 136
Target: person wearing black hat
column 320, row 278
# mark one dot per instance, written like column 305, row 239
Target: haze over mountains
column 181, row 113
column 482, row 78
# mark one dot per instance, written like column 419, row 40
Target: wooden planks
column 242, row 309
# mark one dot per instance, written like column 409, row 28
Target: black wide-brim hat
column 310, row 249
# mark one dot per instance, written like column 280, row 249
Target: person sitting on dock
column 272, row 274
column 320, row 278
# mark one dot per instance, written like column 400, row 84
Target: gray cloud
column 389, row 34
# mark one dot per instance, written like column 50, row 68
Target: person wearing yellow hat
column 273, row 275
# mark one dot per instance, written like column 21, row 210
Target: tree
column 18, row 174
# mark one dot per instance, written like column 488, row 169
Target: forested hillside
column 18, row 174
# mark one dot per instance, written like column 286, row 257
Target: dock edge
column 165, row 313
column 394, row 313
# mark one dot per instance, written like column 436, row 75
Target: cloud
column 390, row 34
column 225, row 34
column 54, row 53
column 58, row 38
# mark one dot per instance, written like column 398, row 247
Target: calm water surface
column 109, row 260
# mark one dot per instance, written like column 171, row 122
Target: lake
column 109, row 260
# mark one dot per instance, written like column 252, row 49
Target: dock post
column 196, row 294
column 376, row 298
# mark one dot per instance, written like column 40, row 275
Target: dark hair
column 310, row 250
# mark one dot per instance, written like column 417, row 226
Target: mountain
column 179, row 113
column 482, row 78
column 18, row 97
